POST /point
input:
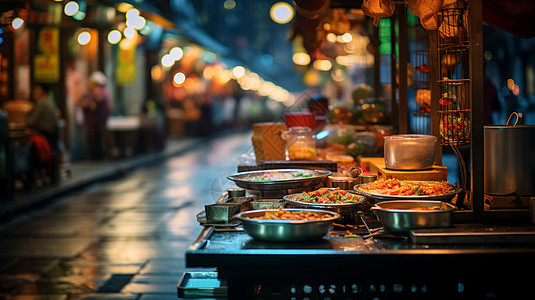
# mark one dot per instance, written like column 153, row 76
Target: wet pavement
column 120, row 238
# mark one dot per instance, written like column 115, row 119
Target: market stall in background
column 165, row 79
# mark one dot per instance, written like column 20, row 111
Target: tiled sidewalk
column 119, row 238
column 86, row 172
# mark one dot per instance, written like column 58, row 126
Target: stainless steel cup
column 344, row 183
column 235, row 192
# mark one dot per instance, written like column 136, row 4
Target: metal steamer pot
column 509, row 160
column 409, row 151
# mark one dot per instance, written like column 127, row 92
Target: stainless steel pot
column 398, row 216
column 509, row 162
column 410, row 151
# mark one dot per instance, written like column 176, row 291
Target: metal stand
column 463, row 172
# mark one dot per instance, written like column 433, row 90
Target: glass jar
column 300, row 143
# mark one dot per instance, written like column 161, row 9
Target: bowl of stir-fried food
column 287, row 224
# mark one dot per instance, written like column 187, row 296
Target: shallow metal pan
column 286, row 230
column 250, row 180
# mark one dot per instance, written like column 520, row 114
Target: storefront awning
column 516, row 17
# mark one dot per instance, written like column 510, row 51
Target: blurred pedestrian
column 43, row 118
column 96, row 105
column 42, row 123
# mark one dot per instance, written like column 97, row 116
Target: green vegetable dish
column 327, row 196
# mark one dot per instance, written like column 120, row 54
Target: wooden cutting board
column 376, row 165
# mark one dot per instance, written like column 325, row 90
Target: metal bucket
column 509, row 160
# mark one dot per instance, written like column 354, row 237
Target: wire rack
column 422, row 83
column 453, row 59
column 454, row 84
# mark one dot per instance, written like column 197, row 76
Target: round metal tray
column 286, row 230
column 249, row 180
column 374, row 197
column 342, row 208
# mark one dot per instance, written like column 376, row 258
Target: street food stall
column 383, row 226
column 331, row 243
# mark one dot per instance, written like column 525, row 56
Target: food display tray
column 374, row 197
column 342, row 208
column 247, row 180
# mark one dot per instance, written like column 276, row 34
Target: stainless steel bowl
column 397, row 216
column 286, row 230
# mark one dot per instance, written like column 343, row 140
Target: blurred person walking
column 96, row 105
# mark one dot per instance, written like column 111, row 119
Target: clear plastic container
column 300, row 143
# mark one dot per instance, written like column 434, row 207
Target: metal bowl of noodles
column 279, row 230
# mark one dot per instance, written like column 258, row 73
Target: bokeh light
column 179, row 78
column 281, row 12
column 17, row 23
column 176, row 53
column 114, row 36
column 71, row 8
column 238, row 72
column 84, row 38
column 167, row 61
column 301, row 58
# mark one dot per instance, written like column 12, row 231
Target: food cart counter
column 469, row 261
